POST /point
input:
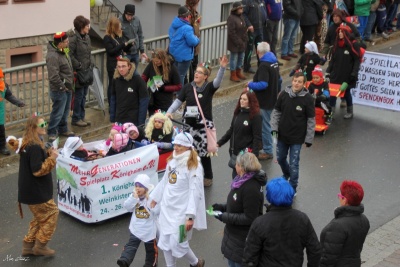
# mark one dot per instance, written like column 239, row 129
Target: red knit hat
column 317, row 71
column 59, row 37
column 344, row 27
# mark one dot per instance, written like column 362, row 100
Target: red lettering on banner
column 376, row 98
column 114, row 174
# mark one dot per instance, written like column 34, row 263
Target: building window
column 225, row 11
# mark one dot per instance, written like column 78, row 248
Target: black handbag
column 232, row 161
column 85, row 77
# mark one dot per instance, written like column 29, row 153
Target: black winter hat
column 236, row 6
column 183, row 12
column 129, row 9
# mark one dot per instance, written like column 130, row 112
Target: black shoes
column 4, row 151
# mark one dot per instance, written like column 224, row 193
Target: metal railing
column 30, row 82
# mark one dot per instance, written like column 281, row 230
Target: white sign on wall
column 94, row 191
column 378, row 81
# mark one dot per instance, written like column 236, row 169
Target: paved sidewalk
column 382, row 247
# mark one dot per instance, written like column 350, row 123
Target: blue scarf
column 239, row 180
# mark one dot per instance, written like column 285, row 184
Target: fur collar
column 128, row 77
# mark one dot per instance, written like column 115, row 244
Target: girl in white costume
column 181, row 196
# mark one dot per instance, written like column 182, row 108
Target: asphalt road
column 365, row 149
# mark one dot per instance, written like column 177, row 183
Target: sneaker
column 328, row 120
column 52, row 138
column 265, row 156
column 67, row 134
column 207, row 182
column 286, row 58
column 384, row 35
column 280, row 63
column 79, row 123
column 5, row 151
column 251, row 70
column 293, row 55
column 87, row 122
column 200, row 263
column 122, row 263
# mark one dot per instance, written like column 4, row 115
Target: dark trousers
column 308, row 35
column 79, row 104
column 206, row 162
column 110, row 80
column 2, row 136
column 129, row 252
column 254, row 38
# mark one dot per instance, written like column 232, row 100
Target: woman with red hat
column 344, row 65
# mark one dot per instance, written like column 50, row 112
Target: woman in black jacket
column 115, row 46
column 343, row 238
column 278, row 238
column 245, row 130
column 244, row 204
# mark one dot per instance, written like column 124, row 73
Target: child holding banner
column 142, row 225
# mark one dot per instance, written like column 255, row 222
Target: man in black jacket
column 292, row 12
column 279, row 237
column 255, row 16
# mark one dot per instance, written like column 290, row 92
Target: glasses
column 340, row 196
column 42, row 125
column 199, row 72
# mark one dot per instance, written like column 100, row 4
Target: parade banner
column 378, row 81
column 94, row 191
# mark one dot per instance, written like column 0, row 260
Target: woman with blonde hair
column 161, row 65
column 180, row 195
column 115, row 46
column 35, row 187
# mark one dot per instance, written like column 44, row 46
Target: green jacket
column 7, row 95
column 362, row 7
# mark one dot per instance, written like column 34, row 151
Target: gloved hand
column 321, row 97
column 291, row 73
column 352, row 79
column 219, row 217
column 344, row 86
column 308, row 144
column 21, row 105
column 327, row 77
column 131, row 41
column 163, row 145
column 217, row 206
column 145, row 142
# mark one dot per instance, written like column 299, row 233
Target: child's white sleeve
column 130, row 203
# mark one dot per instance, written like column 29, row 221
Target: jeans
column 183, row 68
column 236, row 60
column 79, row 103
column 391, row 14
column 135, row 59
column 370, row 24
column 308, row 35
column 254, row 38
column 266, row 130
column 363, row 20
column 347, row 96
column 271, row 34
column 59, row 112
column 234, row 264
column 380, row 18
column 290, row 169
column 129, row 252
column 289, row 35
column 398, row 21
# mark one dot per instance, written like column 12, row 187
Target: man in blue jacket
column 182, row 41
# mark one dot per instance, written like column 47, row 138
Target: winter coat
column 279, row 237
column 59, row 69
column 7, row 95
column 163, row 97
column 294, row 117
column 350, row 6
column 115, row 47
column 243, row 206
column 310, row 15
column 307, row 63
column 343, row 238
column 182, row 40
column 133, row 30
column 344, row 65
column 332, row 33
column 35, row 183
column 274, row 9
column 292, row 9
column 129, row 98
column 237, row 33
column 243, row 133
column 254, row 13
column 265, row 82
column 80, row 53
column 362, row 7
